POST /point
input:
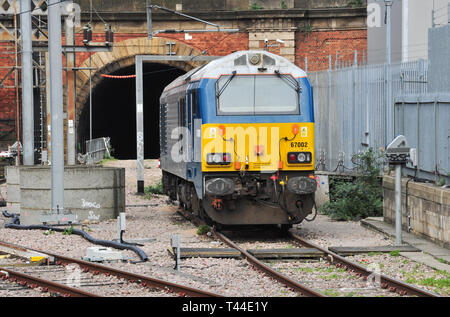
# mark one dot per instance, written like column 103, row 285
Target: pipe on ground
column 15, row 224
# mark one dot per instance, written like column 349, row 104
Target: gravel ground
column 326, row 232
column 155, row 219
column 329, row 280
column 401, row 268
column 8, row 289
column 98, row 284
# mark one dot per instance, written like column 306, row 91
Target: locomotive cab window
column 257, row 95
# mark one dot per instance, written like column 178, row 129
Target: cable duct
column 15, row 224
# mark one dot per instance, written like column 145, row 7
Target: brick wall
column 7, row 95
column 428, row 205
column 215, row 43
column 317, row 46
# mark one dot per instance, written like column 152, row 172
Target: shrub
column 361, row 198
column 202, row 230
column 155, row 189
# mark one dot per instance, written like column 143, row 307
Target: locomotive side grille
column 163, row 128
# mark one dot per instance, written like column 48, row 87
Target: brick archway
column 123, row 55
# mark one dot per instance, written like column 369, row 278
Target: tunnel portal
column 114, row 110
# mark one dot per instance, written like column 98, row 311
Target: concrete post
column 56, row 100
column 388, row 4
column 448, row 14
column 389, row 106
column 330, row 149
column 48, row 108
column 398, row 204
column 27, row 83
column 149, row 20
column 139, row 126
column 70, row 61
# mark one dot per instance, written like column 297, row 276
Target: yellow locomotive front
column 259, row 173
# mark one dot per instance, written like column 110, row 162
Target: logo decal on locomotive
column 304, row 132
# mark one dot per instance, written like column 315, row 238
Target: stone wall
column 214, row 5
column 428, row 206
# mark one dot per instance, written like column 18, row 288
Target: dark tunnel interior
column 114, row 110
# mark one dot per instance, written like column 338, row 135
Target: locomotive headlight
column 219, row 186
column 302, row 185
column 255, row 59
column 218, row 158
column 301, row 157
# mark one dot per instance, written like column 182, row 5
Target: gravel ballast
column 155, row 220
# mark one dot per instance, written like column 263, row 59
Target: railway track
column 289, row 282
column 55, row 276
column 45, row 285
column 353, row 276
column 283, row 279
column 386, row 282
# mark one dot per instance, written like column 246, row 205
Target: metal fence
column 425, row 122
column 96, row 151
column 354, row 108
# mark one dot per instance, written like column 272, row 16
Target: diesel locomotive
column 237, row 141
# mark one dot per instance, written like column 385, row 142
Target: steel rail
column 33, row 282
column 144, row 281
column 306, row 291
column 394, row 285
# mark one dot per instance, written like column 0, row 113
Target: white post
column 398, row 204
column 56, row 100
column 27, row 84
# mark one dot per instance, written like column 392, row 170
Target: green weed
column 359, row 198
column 331, row 293
column 68, row 231
column 154, row 190
column 202, row 230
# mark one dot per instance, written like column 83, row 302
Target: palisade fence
column 425, row 121
column 96, row 151
column 355, row 110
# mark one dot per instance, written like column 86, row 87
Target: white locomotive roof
column 241, row 62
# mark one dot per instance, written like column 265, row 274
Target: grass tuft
column 202, row 230
column 154, row 190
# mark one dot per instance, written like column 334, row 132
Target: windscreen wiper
column 290, row 81
column 219, row 93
